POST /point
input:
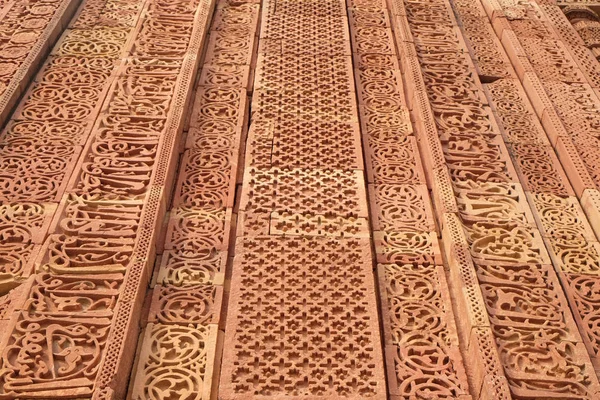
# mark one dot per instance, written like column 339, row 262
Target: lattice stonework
column 299, row 199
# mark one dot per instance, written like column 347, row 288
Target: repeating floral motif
column 521, row 328
column 557, row 161
column 28, row 28
column 118, row 82
column 180, row 351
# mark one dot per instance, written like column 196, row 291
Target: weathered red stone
column 316, row 199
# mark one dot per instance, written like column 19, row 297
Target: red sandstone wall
column 298, row 199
